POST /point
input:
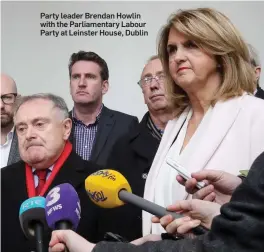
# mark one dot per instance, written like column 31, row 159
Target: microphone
column 110, row 189
column 33, row 220
column 63, row 208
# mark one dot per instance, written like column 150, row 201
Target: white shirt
column 5, row 148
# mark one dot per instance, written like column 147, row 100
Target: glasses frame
column 15, row 96
column 156, row 77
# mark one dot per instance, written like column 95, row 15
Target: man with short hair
column 133, row 154
column 9, row 148
column 255, row 62
column 43, row 126
column 95, row 127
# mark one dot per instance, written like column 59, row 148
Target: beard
column 6, row 120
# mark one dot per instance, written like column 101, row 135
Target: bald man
column 9, row 144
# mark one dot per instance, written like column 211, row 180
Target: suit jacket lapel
column 224, row 115
column 138, row 142
column 260, row 93
column 14, row 155
column 18, row 179
column 105, row 126
column 71, row 137
column 21, row 181
column 72, row 172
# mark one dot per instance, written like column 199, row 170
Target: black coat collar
column 260, row 93
column 142, row 141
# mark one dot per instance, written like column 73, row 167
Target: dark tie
column 42, row 174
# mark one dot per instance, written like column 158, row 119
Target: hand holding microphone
column 33, row 220
column 62, row 208
column 109, row 189
column 73, row 241
column 197, row 212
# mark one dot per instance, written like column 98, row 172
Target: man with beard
column 9, row 148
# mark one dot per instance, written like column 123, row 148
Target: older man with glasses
column 9, row 144
column 133, row 154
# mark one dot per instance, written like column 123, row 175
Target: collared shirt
column 84, row 135
column 155, row 131
column 36, row 180
column 5, row 148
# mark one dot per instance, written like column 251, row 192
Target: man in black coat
column 133, row 154
column 96, row 128
column 42, row 127
column 259, row 93
column 239, row 227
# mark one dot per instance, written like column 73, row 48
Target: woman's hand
column 67, row 238
column 219, row 187
column 197, row 212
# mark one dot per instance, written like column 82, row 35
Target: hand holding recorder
column 209, row 185
column 184, row 173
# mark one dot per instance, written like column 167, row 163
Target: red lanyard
column 29, row 175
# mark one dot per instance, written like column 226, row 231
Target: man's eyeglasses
column 9, row 98
column 148, row 80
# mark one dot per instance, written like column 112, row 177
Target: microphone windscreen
column 110, row 189
column 103, row 187
column 31, row 211
column 63, row 204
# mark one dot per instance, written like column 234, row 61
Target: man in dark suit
column 239, row 227
column 133, row 154
column 95, row 127
column 259, row 92
column 43, row 127
column 255, row 62
column 9, row 146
